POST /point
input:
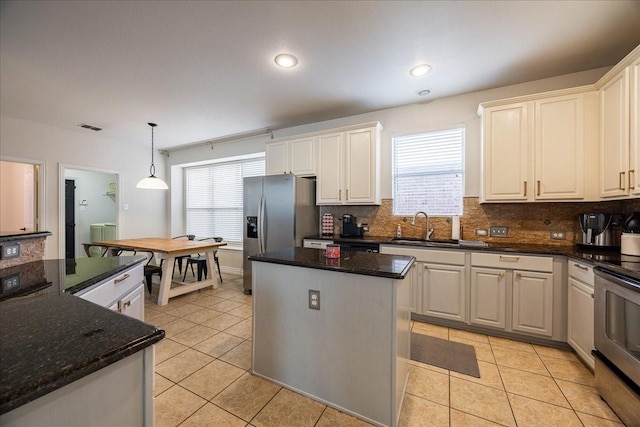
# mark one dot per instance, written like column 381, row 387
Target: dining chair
column 178, row 260
column 200, row 261
column 149, row 269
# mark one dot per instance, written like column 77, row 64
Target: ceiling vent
column 86, row 126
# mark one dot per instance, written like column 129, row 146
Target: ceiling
column 204, row 69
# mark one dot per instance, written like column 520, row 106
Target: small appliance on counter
column 599, row 230
column 630, row 240
column 350, row 227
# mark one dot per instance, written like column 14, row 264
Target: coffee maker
column 599, row 230
column 350, row 227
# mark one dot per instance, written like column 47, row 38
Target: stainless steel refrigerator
column 279, row 211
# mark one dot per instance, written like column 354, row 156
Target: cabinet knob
column 501, row 275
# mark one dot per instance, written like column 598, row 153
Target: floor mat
column 445, row 354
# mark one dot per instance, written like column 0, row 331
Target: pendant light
column 152, row 182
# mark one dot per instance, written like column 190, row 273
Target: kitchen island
column 67, row 361
column 336, row 330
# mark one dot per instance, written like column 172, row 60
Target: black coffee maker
column 350, row 227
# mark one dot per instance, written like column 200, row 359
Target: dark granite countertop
column 364, row 263
column 21, row 235
column 50, row 338
column 611, row 259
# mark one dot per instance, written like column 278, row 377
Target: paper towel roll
column 455, row 227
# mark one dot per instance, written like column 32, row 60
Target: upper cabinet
column 349, row 167
column 296, row 156
column 536, row 148
column 619, row 92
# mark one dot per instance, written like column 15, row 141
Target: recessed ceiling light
column 286, row 60
column 420, row 70
column 424, row 92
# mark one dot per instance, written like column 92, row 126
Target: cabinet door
column 132, row 304
column 533, row 302
column 614, row 136
column 302, row 157
column 505, row 153
column 488, row 297
column 580, row 320
column 559, row 148
column 361, row 170
column 330, row 166
column 276, row 158
column 634, row 141
column 443, row 291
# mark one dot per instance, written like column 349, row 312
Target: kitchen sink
column 430, row 243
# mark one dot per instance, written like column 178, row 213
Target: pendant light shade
column 152, row 182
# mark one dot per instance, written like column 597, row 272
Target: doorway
column 89, row 208
column 21, row 195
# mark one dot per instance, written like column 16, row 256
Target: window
column 213, row 195
column 428, row 173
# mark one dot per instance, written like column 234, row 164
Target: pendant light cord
column 152, row 169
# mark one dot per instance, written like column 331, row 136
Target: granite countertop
column 364, row 263
column 610, row 259
column 50, row 338
column 21, row 235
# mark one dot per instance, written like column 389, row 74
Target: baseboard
column 231, row 270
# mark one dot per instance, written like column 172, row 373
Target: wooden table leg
column 211, row 266
column 165, row 282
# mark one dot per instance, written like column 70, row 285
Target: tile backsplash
column 527, row 222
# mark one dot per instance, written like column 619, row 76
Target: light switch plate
column 498, row 231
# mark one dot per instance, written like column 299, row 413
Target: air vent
column 86, row 126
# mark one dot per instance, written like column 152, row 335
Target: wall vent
column 86, row 126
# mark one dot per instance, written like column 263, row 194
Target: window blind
column 428, row 173
column 213, row 198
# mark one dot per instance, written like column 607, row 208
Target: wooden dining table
column 168, row 249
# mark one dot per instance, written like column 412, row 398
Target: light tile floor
column 203, row 378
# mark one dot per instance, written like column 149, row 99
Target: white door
column 488, row 297
column 276, row 158
column 443, row 291
column 302, row 156
column 634, row 142
column 18, row 196
column 580, row 319
column 533, row 302
column 360, row 166
column 330, row 170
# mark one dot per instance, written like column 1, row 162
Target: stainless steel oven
column 617, row 343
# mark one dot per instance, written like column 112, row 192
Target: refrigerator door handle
column 261, row 244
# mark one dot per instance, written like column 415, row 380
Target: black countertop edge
column 22, row 235
column 352, row 262
column 35, row 390
column 126, row 262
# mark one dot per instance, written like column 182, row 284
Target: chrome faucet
column 427, row 233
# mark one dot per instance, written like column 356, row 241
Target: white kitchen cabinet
column 122, row 292
column 297, row 156
column 513, row 292
column 536, row 149
column 580, row 325
column 619, row 92
column 444, row 291
column 488, row 297
column 349, row 167
column 533, row 302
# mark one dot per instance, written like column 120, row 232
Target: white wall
column 147, row 214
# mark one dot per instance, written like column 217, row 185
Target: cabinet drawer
column 109, row 291
column 455, row 257
column 512, row 261
column 581, row 271
column 317, row 244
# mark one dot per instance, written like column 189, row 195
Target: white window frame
column 422, row 138
column 212, row 165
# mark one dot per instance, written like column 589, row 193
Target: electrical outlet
column 314, row 299
column 10, row 250
column 557, row 235
column 498, row 231
column 481, row 232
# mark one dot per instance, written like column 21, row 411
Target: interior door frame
column 62, row 168
column 40, row 220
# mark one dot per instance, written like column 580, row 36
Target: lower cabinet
column 443, row 291
column 123, row 292
column 532, row 302
column 488, row 297
column 580, row 325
